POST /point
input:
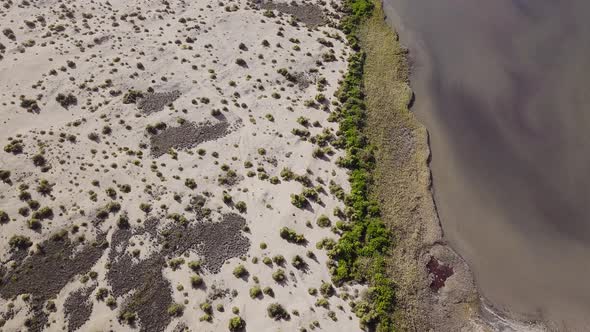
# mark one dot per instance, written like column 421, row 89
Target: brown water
column 503, row 87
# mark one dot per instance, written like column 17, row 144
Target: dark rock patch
column 156, row 101
column 187, row 135
column 78, row 307
column 215, row 241
column 150, row 293
column 311, row 15
column 46, row 272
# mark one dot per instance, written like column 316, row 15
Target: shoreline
column 487, row 316
column 404, row 189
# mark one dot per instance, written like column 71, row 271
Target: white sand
column 74, row 166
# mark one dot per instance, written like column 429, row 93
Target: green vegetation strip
column 386, row 153
column 361, row 251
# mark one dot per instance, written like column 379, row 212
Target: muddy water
column 503, row 87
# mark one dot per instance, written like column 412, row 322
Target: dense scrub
column 360, row 252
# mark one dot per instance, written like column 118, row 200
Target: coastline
column 460, row 300
column 403, row 187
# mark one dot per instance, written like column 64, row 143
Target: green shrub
column 236, row 324
column 291, row 236
column 195, row 265
column 279, row 275
column 255, row 292
column 101, row 294
column 196, row 281
column 4, row 218
column 20, row 242
column 240, row 271
column 206, row 307
column 298, row 262
column 323, row 221
column 277, row 312
column 44, row 187
column 279, row 259
column 298, row 201
column 322, row 302
column 268, row 291
column 132, row 96
column 175, row 263
column 190, row 183
column 4, row 175
column 241, row 206
column 175, row 309
column 326, row 289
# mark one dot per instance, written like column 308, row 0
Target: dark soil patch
column 215, row 241
column 150, row 293
column 439, row 272
column 311, row 15
column 78, row 307
column 156, row 101
column 187, row 135
column 45, row 273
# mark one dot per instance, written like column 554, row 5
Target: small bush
column 101, row 294
column 132, row 96
column 175, row 309
column 323, row 221
column 240, row 271
column 279, row 275
column 298, row 201
column 277, row 312
column 241, row 206
column 195, row 265
column 66, row 100
column 44, row 187
column 298, row 262
column 268, row 291
column 326, row 289
column 175, row 263
column 20, row 242
column 279, row 259
column 190, row 183
column 4, row 175
column 255, row 292
column 291, row 236
column 206, row 307
column 196, row 281
column 236, row 324
column 4, row 218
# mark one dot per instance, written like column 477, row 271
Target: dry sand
column 161, row 129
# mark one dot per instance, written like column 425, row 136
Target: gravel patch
column 311, row 15
column 186, row 136
column 156, row 101
column 149, row 292
column 215, row 241
column 78, row 307
column 45, row 273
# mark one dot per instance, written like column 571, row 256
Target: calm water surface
column 503, row 87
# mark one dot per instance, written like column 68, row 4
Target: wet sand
column 501, row 86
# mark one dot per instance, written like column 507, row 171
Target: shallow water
column 502, row 86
